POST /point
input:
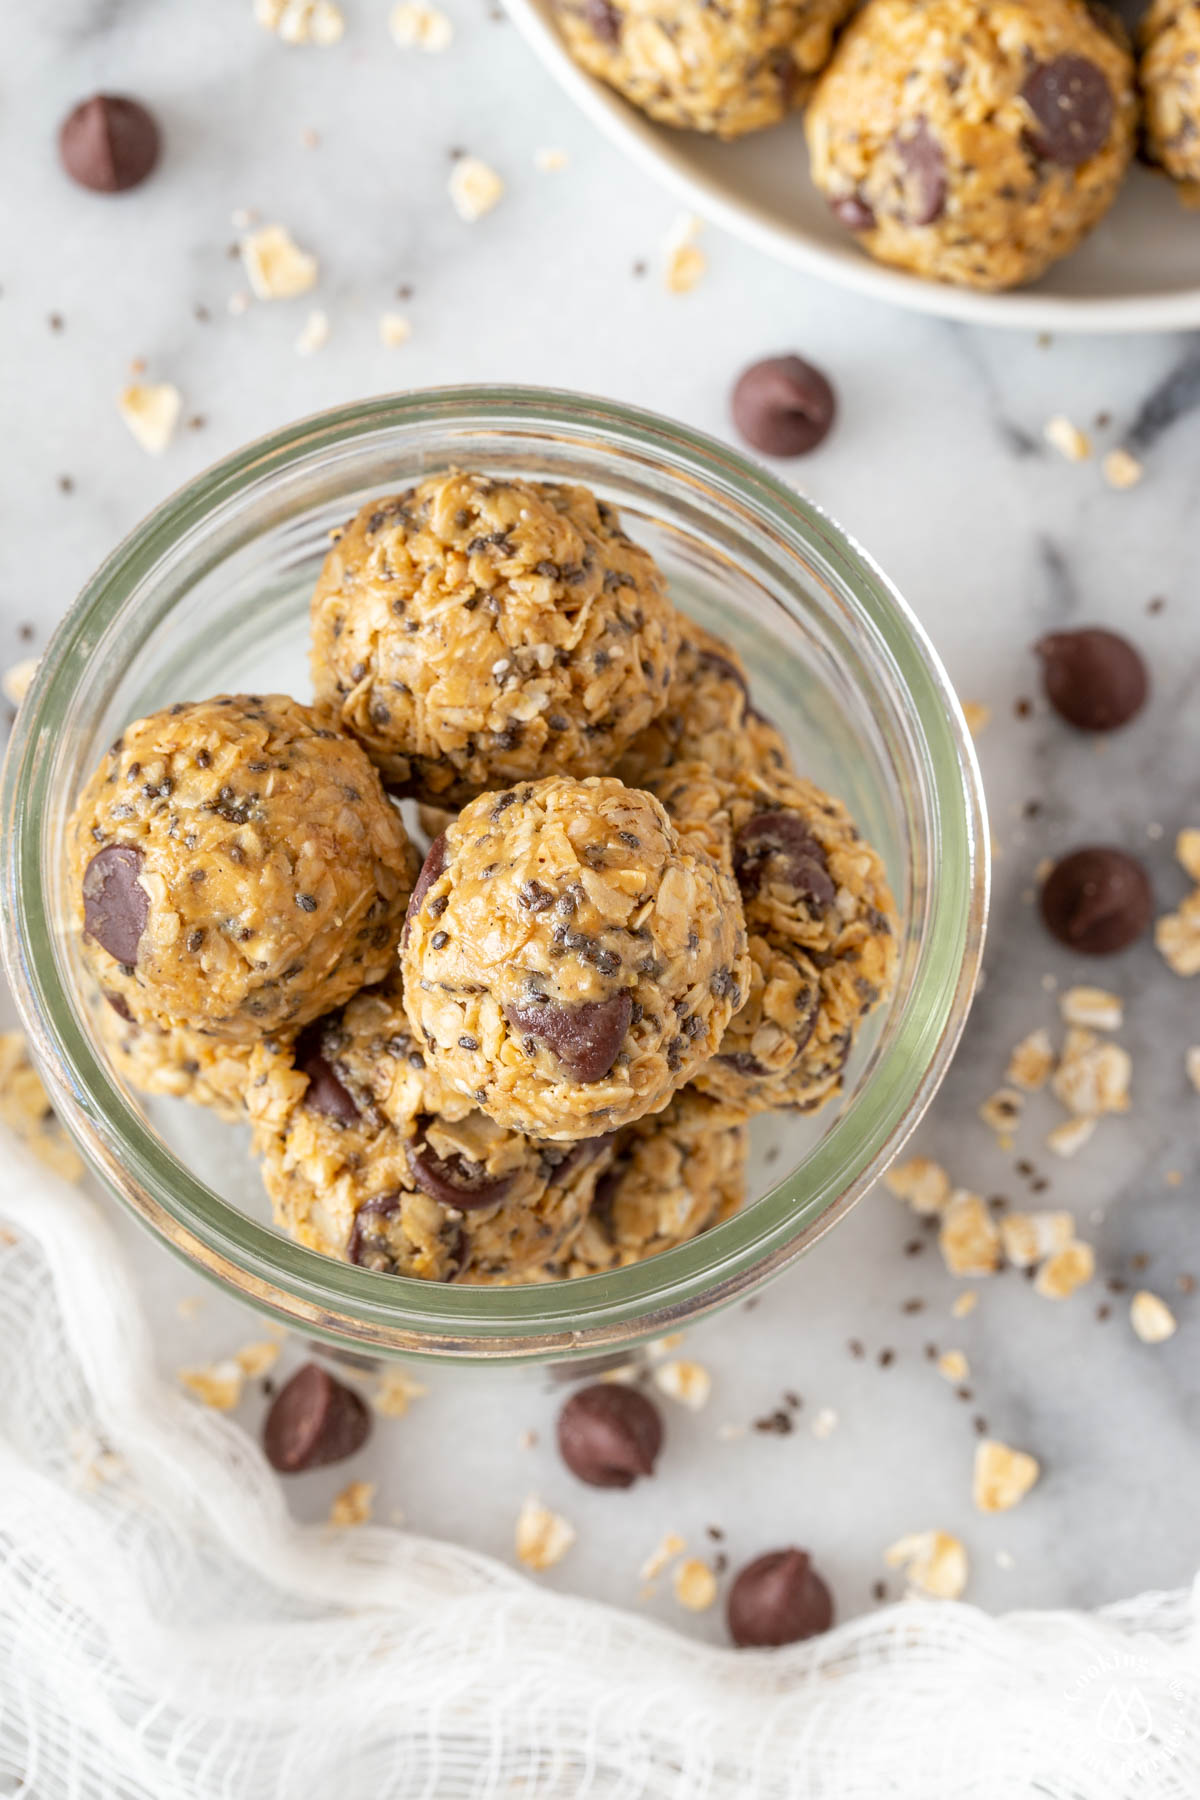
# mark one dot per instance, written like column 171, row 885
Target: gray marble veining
column 938, row 465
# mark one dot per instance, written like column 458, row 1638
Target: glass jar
column 210, row 595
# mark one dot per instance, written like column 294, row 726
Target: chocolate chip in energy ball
column 923, row 183
column 783, row 406
column 778, row 1599
column 609, row 1435
column 314, row 1420
column 853, row 212
column 453, row 1181
column 1094, row 679
column 1097, row 900
column 778, row 845
column 604, row 20
column 431, row 868
column 586, row 1039
column 326, row 1093
column 115, row 904
column 109, row 143
column 1072, row 107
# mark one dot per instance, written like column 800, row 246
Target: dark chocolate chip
column 783, row 406
column 1072, row 106
column 586, row 1039
column 608, row 1435
column 781, row 845
column 115, row 905
column 431, row 868
column 778, row 1599
column 1093, row 679
column 853, row 212
column 119, row 1006
column 382, row 1206
column 1097, row 900
column 326, row 1092
column 314, row 1420
column 454, row 1181
column 108, row 143
column 923, row 185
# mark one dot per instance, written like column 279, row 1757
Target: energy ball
column 822, row 932
column 472, row 632
column 709, row 716
column 570, row 960
column 238, row 867
column 368, row 1157
column 180, row 1063
column 1170, row 79
column 726, row 70
column 974, row 141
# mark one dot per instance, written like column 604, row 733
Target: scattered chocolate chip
column 923, row 185
column 780, row 845
column 1097, row 900
column 108, row 143
column 783, row 406
column 115, row 905
column 431, row 868
column 314, row 1420
column 454, row 1181
column 778, row 1599
column 1072, row 106
column 853, row 212
column 608, row 1435
column 326, row 1092
column 586, row 1039
column 1094, row 679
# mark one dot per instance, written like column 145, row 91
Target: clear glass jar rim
column 346, row 1304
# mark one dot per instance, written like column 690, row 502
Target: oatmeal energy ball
column 180, row 1063
column 822, row 933
column 238, row 867
column 368, row 1157
column 1170, row 78
column 570, row 960
column 472, row 632
column 974, row 141
column 728, row 69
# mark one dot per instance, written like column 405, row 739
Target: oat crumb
column 474, row 188
column 1070, row 1137
column 151, row 411
column 396, row 1393
column 688, row 1382
column 255, row 1359
column 965, row 1303
column 219, row 1386
column 695, row 1585
column 1032, row 1061
column 672, row 1546
column 317, row 22
column 954, row 1366
column 25, row 1108
column 1093, row 1077
column 542, row 1537
column 549, row 161
column 1002, row 1476
column 1029, row 1238
column 969, row 1240
column 978, row 716
column 1187, row 851
column 1001, row 1111
column 934, row 1563
column 1177, row 936
column 416, row 26
column 923, row 1183
column 824, row 1423
column 1121, row 469
column 1092, row 1007
column 1191, row 1062
column 1067, row 438
column 1151, row 1317
column 353, row 1505
column 1067, row 1269
column 394, row 330
column 315, row 334
column 684, row 263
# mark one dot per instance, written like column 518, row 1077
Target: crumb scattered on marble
column 968, row 1238
column 824, row 1423
column 671, row 1546
column 255, row 1359
column 1093, row 1077
column 396, row 1393
column 549, row 161
column 1067, row 438
column 1121, row 469
column 1151, row 1317
column 353, row 1505
column 417, row 26
column 394, row 330
column 276, row 267
column 17, row 679
column 965, row 1303
column 474, row 188
column 934, row 1563
column 953, row 1365
column 1002, row 1476
column 688, row 1382
column 695, row 1585
column 317, row 22
column 315, row 334
column 1032, row 1061
column 1066, row 1270
column 923, row 1183
column 25, row 1108
column 684, row 263
column 978, row 716
column 151, row 411
column 1093, row 1008
column 542, row 1537
column 1069, row 1138
column 1029, row 1237
column 1001, row 1111
column 219, row 1385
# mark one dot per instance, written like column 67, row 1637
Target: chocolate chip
column 326, row 1093
column 779, row 844
column 1093, row 679
column 454, row 1181
column 1072, row 106
column 359, row 1248
column 586, row 1039
column 923, row 184
column 431, row 868
column 108, row 143
column 115, row 905
column 783, row 406
column 1097, row 900
column 854, row 212
column 778, row 1599
column 314, row 1420
column 119, row 1006
column 608, row 1435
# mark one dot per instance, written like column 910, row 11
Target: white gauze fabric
column 168, row 1633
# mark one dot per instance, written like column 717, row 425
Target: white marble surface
column 937, row 466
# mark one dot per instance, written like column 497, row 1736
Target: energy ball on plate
column 974, row 141
column 180, row 1063
column 472, row 632
column 570, row 959
column 709, row 716
column 1170, row 80
column 369, row 1158
column 238, row 867
column 822, row 933
column 727, row 70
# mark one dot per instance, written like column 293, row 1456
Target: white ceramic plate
column 1139, row 270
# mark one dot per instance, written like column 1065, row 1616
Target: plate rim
column 649, row 147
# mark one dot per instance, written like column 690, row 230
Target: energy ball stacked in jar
column 637, row 926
